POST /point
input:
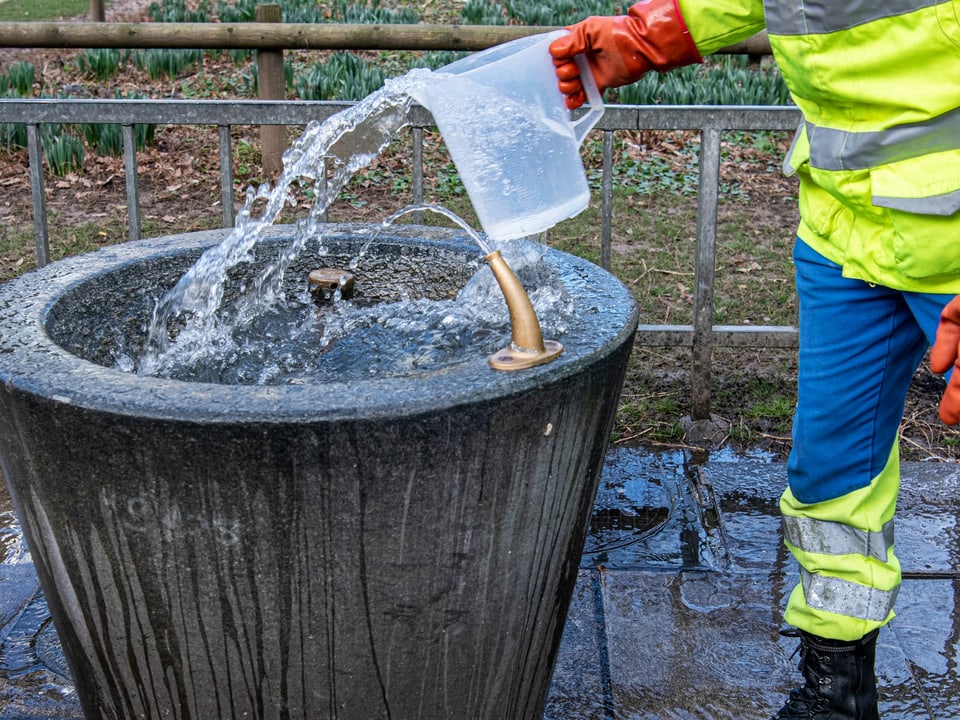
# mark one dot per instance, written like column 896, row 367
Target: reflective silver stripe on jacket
column 832, row 149
column 833, row 538
column 946, row 204
column 815, row 17
column 846, row 598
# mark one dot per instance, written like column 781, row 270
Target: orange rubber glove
column 946, row 355
column 621, row 49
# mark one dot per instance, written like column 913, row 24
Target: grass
column 78, row 238
column 23, row 10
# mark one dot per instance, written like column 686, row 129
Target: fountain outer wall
column 229, row 561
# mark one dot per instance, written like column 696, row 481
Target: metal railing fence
column 701, row 336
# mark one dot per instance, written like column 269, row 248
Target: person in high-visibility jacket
column 877, row 261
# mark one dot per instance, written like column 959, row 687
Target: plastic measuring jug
column 505, row 123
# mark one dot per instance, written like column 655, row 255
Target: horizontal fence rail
column 701, row 336
column 284, row 36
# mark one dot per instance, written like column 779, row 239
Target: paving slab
column 581, row 682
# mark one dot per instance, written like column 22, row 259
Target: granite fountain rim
column 31, row 362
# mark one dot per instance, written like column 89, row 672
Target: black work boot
column 840, row 683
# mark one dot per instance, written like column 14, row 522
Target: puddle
column 34, row 678
column 658, row 510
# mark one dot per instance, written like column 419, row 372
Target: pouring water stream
column 325, row 156
column 349, row 141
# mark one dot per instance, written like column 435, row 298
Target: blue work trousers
column 860, row 345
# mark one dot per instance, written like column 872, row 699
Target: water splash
column 295, row 343
column 326, row 155
column 479, row 239
column 265, row 336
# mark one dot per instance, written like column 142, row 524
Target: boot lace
column 804, row 703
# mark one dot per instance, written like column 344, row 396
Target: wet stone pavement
column 677, row 609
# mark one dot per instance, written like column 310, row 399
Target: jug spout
column 527, row 346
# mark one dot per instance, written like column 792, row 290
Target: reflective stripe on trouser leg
column 850, row 574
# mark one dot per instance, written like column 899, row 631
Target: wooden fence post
column 97, row 13
column 271, row 86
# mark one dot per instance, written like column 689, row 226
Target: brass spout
column 527, row 346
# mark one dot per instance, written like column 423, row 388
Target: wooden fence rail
column 282, row 36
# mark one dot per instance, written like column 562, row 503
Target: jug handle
column 585, row 123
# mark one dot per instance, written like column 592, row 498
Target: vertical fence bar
column 226, row 176
column 606, row 201
column 322, row 189
column 705, row 271
column 133, row 190
column 41, row 236
column 417, row 171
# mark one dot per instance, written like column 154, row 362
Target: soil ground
column 179, row 178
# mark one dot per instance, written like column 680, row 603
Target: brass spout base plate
column 512, row 359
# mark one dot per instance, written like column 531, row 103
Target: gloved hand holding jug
column 946, row 355
column 621, row 49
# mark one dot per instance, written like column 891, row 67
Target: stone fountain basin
column 397, row 547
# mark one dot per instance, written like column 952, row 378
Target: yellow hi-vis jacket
column 878, row 152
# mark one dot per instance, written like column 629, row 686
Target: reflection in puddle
column 36, row 682
column 656, row 509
